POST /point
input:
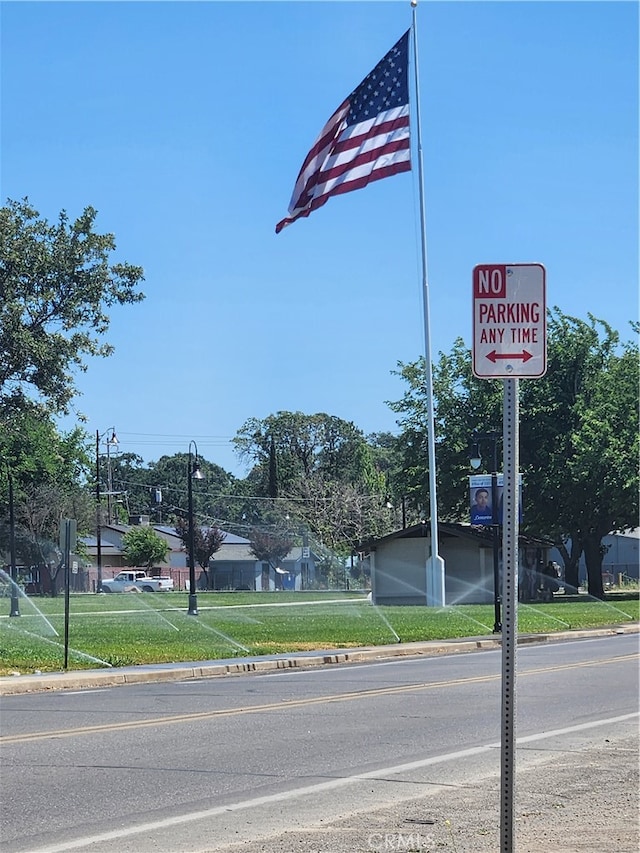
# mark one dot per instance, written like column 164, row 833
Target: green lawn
column 122, row 630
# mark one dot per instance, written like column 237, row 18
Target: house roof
column 92, row 542
column 232, row 539
column 229, row 538
column 233, row 549
column 241, row 551
column 628, row 534
column 457, row 530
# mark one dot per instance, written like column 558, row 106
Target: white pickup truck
column 136, row 581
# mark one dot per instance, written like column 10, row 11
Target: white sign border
column 512, row 373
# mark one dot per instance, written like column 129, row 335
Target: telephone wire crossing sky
column 366, row 139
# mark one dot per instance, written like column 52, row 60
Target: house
column 232, row 567
column 621, row 557
column 398, row 563
column 622, row 554
column 112, row 559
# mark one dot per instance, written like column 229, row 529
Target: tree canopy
column 159, row 489
column 578, row 436
column 580, row 440
column 206, row 541
column 142, row 546
column 321, row 474
column 57, row 284
column 48, row 469
column 270, row 546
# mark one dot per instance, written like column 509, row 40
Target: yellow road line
column 298, row 703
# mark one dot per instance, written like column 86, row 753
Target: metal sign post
column 509, row 609
column 509, row 342
column 68, row 541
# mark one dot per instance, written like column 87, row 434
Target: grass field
column 123, row 630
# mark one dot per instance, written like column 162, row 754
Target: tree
column 580, row 440
column 296, row 445
column 306, row 464
column 142, row 546
column 57, row 285
column 578, row 437
column 342, row 516
column 37, row 453
column 464, row 404
column 39, row 512
column 205, row 542
column 210, row 498
column 270, row 547
column 49, row 471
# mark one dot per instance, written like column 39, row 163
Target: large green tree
column 214, row 497
column 317, row 470
column 142, row 546
column 464, row 405
column 292, row 445
column 57, row 285
column 578, row 437
column 580, row 441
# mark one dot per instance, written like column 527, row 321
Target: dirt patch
column 574, row 801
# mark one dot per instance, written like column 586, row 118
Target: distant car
column 136, row 581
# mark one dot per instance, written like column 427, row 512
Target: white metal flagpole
column 435, row 577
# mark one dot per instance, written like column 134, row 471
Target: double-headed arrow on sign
column 494, row 356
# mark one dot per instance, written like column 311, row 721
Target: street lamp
column 193, row 473
column 476, row 461
column 111, row 442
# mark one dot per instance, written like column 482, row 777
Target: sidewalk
column 75, row 679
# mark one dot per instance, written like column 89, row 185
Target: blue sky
column 185, row 125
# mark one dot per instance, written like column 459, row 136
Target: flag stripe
column 389, row 136
column 327, row 136
column 366, row 139
column 376, row 137
column 319, row 152
column 388, row 120
column 383, row 171
column 363, row 158
column 353, row 150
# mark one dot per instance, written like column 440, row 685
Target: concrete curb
column 78, row 679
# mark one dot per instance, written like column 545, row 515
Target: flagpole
column 435, row 576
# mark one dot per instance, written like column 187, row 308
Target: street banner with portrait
column 481, row 498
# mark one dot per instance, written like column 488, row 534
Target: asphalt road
column 197, row 765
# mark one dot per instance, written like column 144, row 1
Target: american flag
column 366, row 139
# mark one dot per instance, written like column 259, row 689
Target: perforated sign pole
column 509, row 343
column 510, row 443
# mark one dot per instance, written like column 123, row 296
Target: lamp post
column 193, row 473
column 15, row 606
column 113, row 440
column 476, row 461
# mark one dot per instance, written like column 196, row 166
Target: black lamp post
column 193, row 473
column 15, row 606
column 476, row 461
column 110, row 442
